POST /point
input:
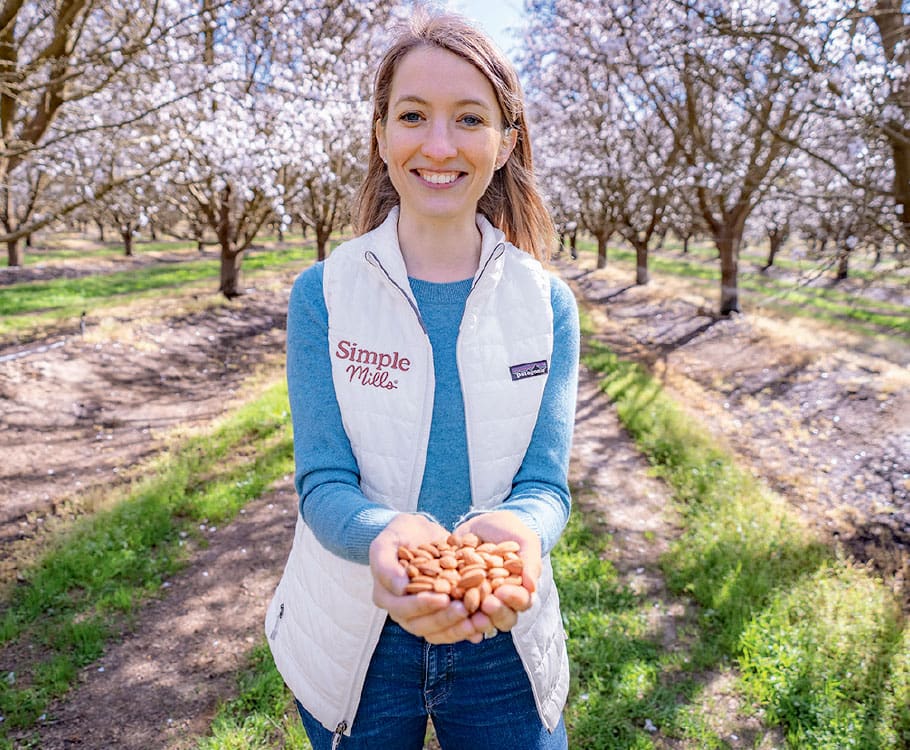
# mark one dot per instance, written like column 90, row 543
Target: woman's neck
column 439, row 252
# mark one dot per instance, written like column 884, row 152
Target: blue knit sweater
column 326, row 476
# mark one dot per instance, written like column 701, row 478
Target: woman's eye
column 472, row 120
column 409, row 117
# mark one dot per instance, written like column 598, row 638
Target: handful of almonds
column 463, row 567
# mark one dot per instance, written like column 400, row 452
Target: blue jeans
column 478, row 696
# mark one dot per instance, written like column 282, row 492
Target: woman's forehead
column 431, row 74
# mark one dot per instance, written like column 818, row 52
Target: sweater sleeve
column 326, row 473
column 540, row 491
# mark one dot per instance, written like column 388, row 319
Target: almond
column 472, row 600
column 515, row 567
column 472, row 578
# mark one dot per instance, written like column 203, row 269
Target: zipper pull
column 339, row 733
column 274, row 632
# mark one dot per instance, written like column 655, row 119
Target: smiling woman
column 432, row 373
column 442, row 139
column 511, row 201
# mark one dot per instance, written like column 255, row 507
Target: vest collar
column 387, row 250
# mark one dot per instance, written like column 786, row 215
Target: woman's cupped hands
column 436, row 616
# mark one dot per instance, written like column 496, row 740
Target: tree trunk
column 728, row 249
column 230, row 272
column 100, row 230
column 13, row 253
column 890, row 17
column 686, row 244
column 641, row 263
column 573, row 243
column 231, row 258
column 843, row 265
column 126, row 232
column 601, row 251
column 322, row 242
column 776, row 241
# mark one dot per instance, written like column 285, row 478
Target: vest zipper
column 338, row 734
column 493, row 256
column 467, row 417
column 376, row 263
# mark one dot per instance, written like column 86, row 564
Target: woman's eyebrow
column 413, row 98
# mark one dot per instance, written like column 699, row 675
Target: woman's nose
column 439, row 143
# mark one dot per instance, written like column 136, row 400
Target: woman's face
column 443, row 136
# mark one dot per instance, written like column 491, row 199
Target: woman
column 432, row 371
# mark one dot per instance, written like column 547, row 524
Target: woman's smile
column 438, row 179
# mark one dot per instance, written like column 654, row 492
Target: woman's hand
column 428, row 615
column 501, row 608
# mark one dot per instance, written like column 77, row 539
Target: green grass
column 829, row 660
column 826, row 303
column 31, row 305
column 622, row 678
column 263, row 714
column 62, row 296
column 807, row 265
column 820, row 644
column 110, row 248
column 89, row 584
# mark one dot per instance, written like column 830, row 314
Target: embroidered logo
column 529, row 370
column 370, row 368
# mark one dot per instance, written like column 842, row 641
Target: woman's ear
column 380, row 140
column 509, row 139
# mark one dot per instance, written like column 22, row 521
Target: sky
column 493, row 16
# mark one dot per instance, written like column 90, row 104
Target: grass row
column 90, row 583
column 28, row 304
column 803, row 264
column 820, row 644
column 830, row 304
column 54, row 248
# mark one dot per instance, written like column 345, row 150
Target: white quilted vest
column 321, row 624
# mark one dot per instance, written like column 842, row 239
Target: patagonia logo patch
column 529, row 370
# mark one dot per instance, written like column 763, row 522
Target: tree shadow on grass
column 630, row 691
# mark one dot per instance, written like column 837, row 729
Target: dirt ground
column 821, row 418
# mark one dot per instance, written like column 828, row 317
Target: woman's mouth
column 438, row 178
